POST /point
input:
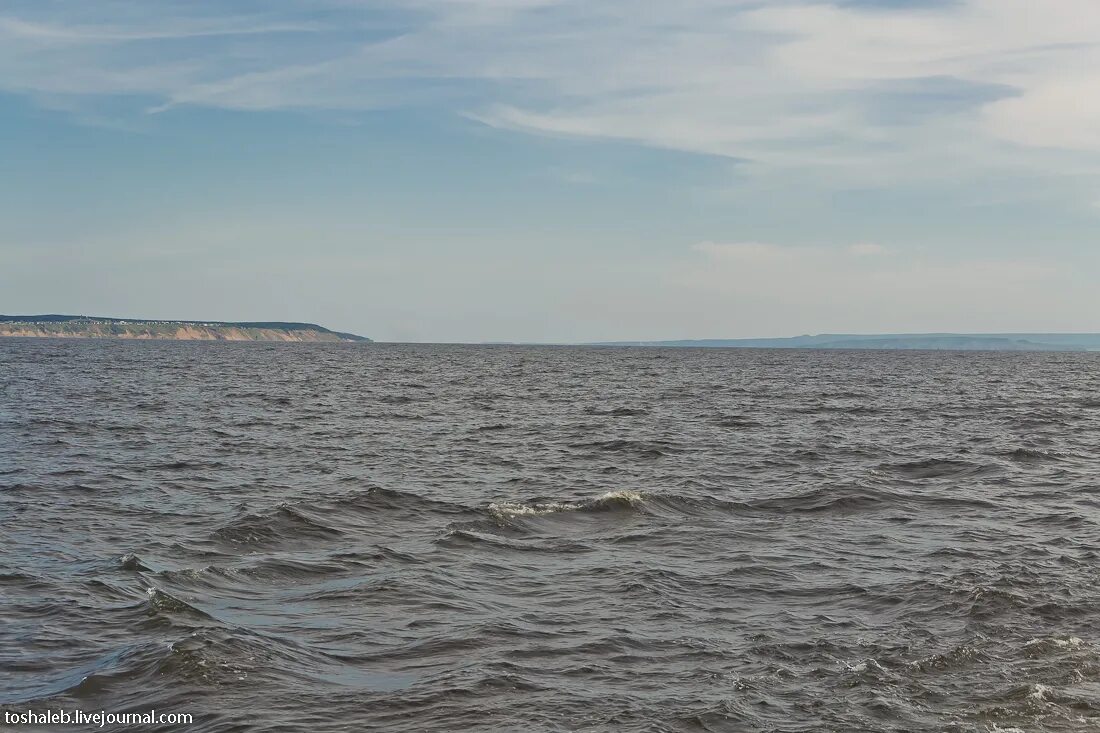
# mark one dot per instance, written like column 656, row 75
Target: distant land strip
column 95, row 327
column 913, row 342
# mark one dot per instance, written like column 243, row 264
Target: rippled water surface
column 434, row 538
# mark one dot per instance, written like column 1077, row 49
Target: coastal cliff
column 90, row 327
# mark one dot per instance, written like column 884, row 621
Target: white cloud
column 1062, row 113
column 947, row 91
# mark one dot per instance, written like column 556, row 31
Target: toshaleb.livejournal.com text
column 99, row 719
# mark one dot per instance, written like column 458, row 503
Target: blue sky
column 555, row 170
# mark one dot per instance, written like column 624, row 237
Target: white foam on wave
column 512, row 509
column 1040, row 692
column 1069, row 642
column 864, row 666
column 509, row 509
column 630, row 497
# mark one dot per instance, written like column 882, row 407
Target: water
column 435, row 538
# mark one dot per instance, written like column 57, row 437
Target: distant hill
column 918, row 341
column 64, row 326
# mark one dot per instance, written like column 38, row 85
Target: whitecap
column 507, row 509
column 1069, row 642
column 864, row 666
column 629, row 497
column 1040, row 692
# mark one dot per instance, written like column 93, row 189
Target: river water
column 347, row 537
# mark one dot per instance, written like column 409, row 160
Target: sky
column 555, row 170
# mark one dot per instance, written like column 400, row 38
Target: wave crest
column 624, row 499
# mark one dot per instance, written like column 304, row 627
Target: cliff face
column 170, row 331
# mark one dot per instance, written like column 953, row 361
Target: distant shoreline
column 95, row 327
column 895, row 342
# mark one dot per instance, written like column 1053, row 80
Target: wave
column 617, row 411
column 376, row 498
column 186, row 465
column 162, row 602
column 209, row 655
column 328, row 517
column 463, row 538
column 85, row 680
column 959, row 657
column 1054, row 645
column 737, row 421
column 130, row 561
column 398, row 399
column 284, row 523
column 858, row 498
column 843, row 499
column 638, row 448
column 1031, row 455
column 612, row 500
column 934, row 468
column 821, row 409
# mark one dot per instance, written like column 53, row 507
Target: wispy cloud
column 867, row 92
column 88, row 34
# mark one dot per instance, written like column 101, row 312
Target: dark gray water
column 434, row 538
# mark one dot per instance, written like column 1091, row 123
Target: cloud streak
column 860, row 94
column 789, row 81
